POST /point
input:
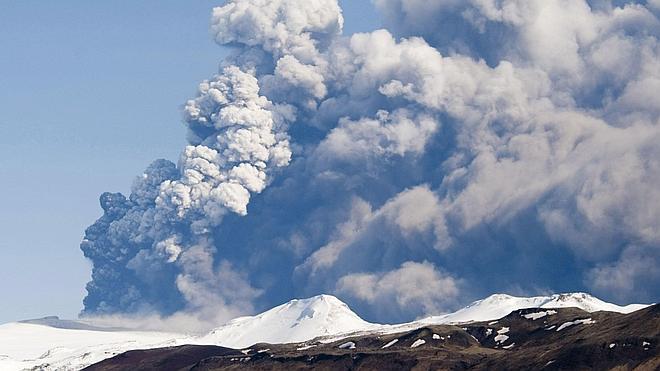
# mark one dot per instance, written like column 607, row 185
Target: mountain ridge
column 533, row 338
column 322, row 317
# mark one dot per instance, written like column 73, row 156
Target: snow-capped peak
column 587, row 303
column 499, row 305
column 295, row 321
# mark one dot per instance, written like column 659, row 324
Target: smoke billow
column 157, row 246
column 472, row 147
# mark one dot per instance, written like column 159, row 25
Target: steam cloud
column 471, row 147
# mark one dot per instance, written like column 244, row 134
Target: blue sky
column 90, row 93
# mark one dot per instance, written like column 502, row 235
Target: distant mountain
column 295, row 321
column 499, row 305
column 54, row 344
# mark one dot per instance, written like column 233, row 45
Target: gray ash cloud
column 407, row 170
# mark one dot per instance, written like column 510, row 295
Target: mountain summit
column 295, row 321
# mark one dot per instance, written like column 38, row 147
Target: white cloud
column 414, row 287
column 399, row 133
column 280, row 27
column 633, row 271
column 214, row 293
column 412, row 214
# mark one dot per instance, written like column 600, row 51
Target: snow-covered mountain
column 499, row 305
column 53, row 344
column 295, row 321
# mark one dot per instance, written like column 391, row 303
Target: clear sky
column 90, row 93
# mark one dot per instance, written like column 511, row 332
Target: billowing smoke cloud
column 417, row 285
column 164, row 230
column 472, row 147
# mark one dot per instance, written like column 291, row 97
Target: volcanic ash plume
column 236, row 138
column 471, row 147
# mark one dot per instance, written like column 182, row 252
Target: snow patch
column 390, row 344
column 347, row 345
column 501, row 338
column 537, row 315
column 417, row 343
column 586, row 321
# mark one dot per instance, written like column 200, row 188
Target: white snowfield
column 73, row 345
column 42, row 347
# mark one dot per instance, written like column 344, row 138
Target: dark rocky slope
column 569, row 339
